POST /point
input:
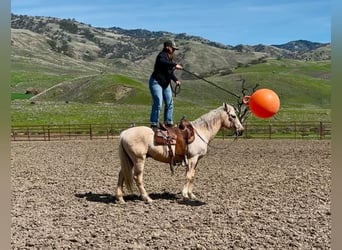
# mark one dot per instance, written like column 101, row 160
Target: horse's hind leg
column 138, row 177
column 119, row 189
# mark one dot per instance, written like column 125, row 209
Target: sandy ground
column 252, row 194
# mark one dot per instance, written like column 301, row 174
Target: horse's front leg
column 138, row 177
column 190, row 177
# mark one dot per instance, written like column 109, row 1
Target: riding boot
column 154, row 127
column 165, row 126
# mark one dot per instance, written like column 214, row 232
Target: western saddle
column 180, row 136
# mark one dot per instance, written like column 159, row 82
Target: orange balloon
column 263, row 103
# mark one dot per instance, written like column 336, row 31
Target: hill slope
column 69, row 61
column 116, row 49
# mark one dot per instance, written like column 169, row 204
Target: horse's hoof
column 121, row 201
column 185, row 195
column 192, row 196
column 148, row 200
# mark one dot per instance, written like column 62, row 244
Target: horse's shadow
column 108, row 198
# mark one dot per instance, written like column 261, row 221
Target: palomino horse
column 137, row 143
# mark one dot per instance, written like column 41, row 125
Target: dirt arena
column 252, row 194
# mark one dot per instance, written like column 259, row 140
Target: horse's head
column 231, row 121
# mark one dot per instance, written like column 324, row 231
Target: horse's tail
column 126, row 166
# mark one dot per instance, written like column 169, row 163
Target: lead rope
column 201, row 78
column 176, row 89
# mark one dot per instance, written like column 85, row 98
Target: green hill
column 302, row 87
column 105, row 78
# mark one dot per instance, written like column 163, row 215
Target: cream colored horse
column 137, row 143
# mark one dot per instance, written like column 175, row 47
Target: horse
column 137, row 143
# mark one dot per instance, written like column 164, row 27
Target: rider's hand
column 178, row 66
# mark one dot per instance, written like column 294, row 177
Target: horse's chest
column 197, row 149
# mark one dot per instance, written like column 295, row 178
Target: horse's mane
column 208, row 119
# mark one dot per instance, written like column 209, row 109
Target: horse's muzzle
column 238, row 132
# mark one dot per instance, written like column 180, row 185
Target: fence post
column 320, row 130
column 90, row 132
column 44, row 133
column 269, row 131
column 60, row 132
column 48, row 132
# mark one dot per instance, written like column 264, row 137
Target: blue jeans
column 158, row 96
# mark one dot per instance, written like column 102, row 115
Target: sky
column 230, row 22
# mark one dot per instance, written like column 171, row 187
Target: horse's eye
column 233, row 116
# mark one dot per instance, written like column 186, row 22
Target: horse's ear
column 225, row 106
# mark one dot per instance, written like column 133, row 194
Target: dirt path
column 258, row 194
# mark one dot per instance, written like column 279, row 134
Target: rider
column 160, row 82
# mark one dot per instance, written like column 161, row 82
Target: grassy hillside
column 90, row 75
column 303, row 88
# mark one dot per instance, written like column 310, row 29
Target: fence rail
column 280, row 130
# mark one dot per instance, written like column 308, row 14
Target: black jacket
column 164, row 70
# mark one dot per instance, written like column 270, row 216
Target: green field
column 304, row 90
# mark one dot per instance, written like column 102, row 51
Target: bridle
column 230, row 117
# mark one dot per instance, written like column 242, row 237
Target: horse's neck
column 208, row 125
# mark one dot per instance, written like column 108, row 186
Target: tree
column 241, row 109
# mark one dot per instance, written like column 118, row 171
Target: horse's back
column 142, row 130
column 137, row 137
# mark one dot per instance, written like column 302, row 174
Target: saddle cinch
column 180, row 136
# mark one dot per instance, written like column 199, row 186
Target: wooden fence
column 280, row 130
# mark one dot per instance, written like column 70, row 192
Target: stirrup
column 172, row 163
column 172, row 168
column 154, row 127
